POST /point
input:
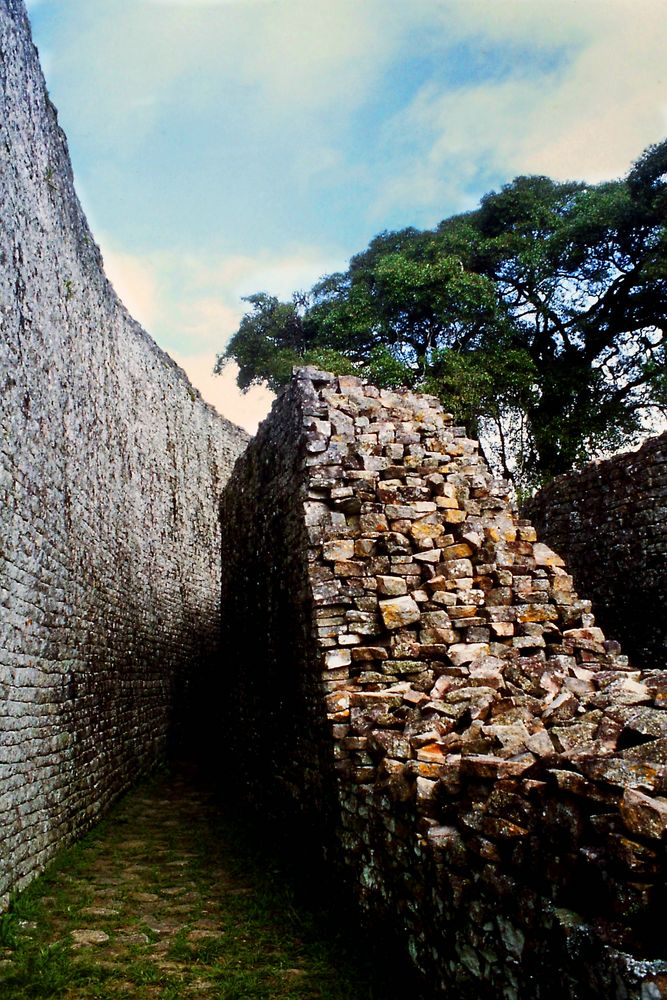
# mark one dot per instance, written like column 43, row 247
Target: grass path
column 163, row 901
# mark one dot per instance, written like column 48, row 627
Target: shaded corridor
column 165, row 899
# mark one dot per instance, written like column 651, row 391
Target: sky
column 224, row 147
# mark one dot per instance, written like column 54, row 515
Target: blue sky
column 222, row 147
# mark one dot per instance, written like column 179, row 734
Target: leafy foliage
column 538, row 319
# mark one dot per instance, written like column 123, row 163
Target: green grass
column 8, row 930
column 214, row 908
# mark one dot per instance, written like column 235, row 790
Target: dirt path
column 159, row 902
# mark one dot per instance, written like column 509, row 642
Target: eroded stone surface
column 643, row 815
column 399, row 611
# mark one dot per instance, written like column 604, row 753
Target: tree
column 583, row 273
column 539, row 318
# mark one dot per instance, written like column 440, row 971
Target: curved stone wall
column 487, row 768
column 610, row 522
column 110, row 470
column 405, row 673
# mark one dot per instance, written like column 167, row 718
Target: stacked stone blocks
column 500, row 769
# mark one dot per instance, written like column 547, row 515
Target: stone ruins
column 610, row 522
column 432, row 701
column 391, row 666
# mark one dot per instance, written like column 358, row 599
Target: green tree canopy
column 538, row 319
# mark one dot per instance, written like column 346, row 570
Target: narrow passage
column 165, row 900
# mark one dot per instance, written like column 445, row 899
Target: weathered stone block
column 643, row 815
column 338, row 550
column 392, row 585
column 399, row 612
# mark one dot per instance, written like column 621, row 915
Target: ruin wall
column 405, row 678
column 411, row 669
column 609, row 521
column 111, row 466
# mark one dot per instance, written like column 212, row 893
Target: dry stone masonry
column 610, row 523
column 495, row 770
column 264, row 703
column 110, row 470
column 404, row 671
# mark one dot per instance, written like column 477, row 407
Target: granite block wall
column 266, row 714
column 111, row 467
column 491, row 770
column 610, row 522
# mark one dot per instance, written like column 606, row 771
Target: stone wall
column 610, row 522
column 110, row 470
column 405, row 677
column 491, row 771
column 266, row 711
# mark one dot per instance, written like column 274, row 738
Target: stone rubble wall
column 111, row 467
column 492, row 771
column 610, row 522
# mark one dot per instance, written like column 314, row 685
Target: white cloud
column 135, row 282
column 192, row 306
column 463, row 130
column 280, row 58
column 308, row 53
column 276, row 274
column 613, row 103
column 208, row 322
column 221, row 391
column 586, row 116
column 206, row 3
column 201, row 296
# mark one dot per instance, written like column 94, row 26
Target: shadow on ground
column 171, row 898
